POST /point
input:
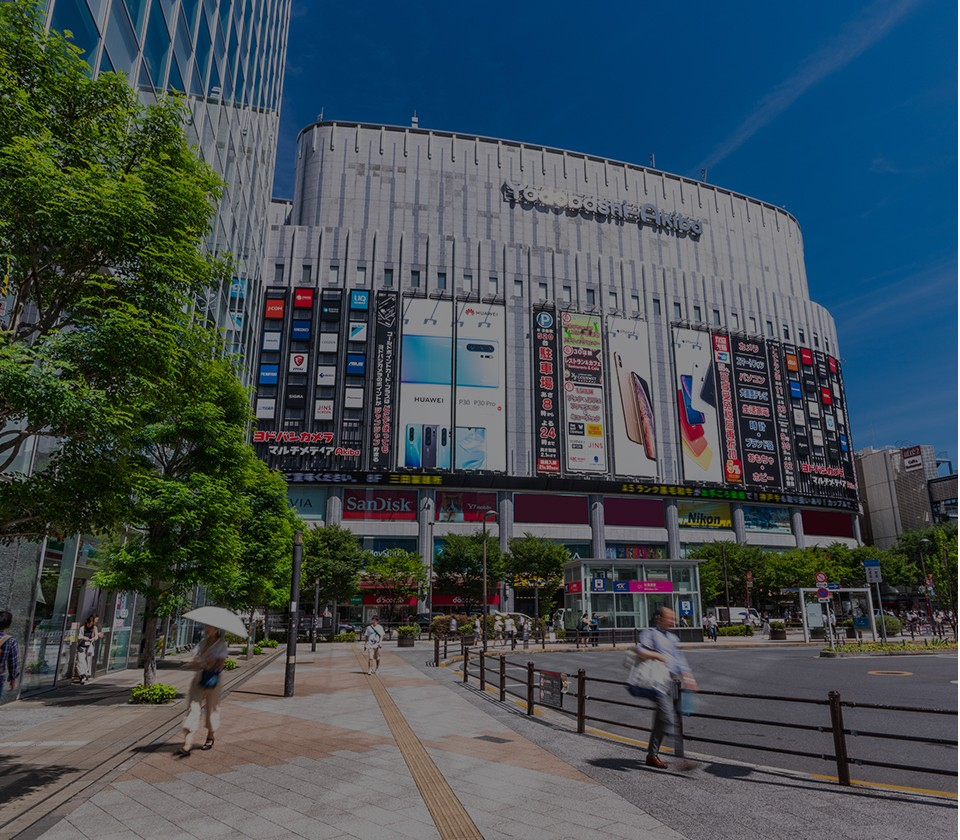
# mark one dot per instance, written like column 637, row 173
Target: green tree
column 399, row 572
column 332, row 558
column 104, row 209
column 937, row 546
column 537, row 563
column 459, row 566
column 186, row 515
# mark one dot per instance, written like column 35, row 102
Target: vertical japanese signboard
column 584, row 412
column 546, row 392
column 779, row 395
column 384, row 374
column 754, row 393
column 732, row 466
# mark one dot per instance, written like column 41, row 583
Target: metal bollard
column 677, row 708
column 529, row 688
column 503, row 679
column 436, row 651
column 839, row 738
column 581, row 701
column 483, row 671
column 466, row 664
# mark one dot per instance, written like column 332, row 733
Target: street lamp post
column 483, row 621
column 926, row 580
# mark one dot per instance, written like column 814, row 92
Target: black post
column 529, row 688
column 677, row 705
column 839, row 739
column 316, row 614
column 466, row 664
column 483, row 671
column 581, row 701
column 503, row 678
column 726, row 584
column 294, row 615
column 436, row 651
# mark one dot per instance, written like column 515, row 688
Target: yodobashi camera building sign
column 642, row 214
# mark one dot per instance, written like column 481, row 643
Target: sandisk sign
column 397, row 505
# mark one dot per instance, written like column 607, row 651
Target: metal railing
column 525, row 682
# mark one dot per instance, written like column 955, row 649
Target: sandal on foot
column 208, row 744
column 182, row 752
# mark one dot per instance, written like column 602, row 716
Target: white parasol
column 220, row 618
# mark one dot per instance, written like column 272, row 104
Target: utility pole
column 316, row 614
column 292, row 622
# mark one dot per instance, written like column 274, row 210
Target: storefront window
column 635, row 551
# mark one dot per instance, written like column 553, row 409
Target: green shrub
column 344, row 637
column 561, row 633
column 229, row 664
column 257, row 650
column 269, row 643
column 735, row 630
column 892, row 624
column 157, row 694
column 440, row 626
column 231, row 639
column 408, row 630
column 778, row 625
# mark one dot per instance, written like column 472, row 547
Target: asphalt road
column 927, row 681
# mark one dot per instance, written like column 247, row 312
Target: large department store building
column 616, row 358
column 227, row 57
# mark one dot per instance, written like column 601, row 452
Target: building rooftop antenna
column 415, row 121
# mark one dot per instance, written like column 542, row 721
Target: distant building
column 900, row 491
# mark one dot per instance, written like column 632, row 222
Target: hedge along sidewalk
column 65, row 743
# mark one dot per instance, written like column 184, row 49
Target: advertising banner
column 327, row 342
column 634, row 424
column 269, row 374
column 779, row 393
column 767, row 520
column 396, row 505
column 273, row 308
column 357, row 331
column 426, row 387
column 704, row 515
column 697, row 413
column 546, row 394
column 754, row 397
column 584, row 412
column 464, row 507
column 384, row 374
column 732, row 465
column 300, row 330
column 331, row 305
column 622, row 587
column 911, row 459
column 271, row 341
column 266, row 408
column 302, row 298
column 323, row 410
column 480, row 435
column 298, row 363
column 371, row 600
column 238, row 288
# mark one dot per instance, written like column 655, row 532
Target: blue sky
column 843, row 113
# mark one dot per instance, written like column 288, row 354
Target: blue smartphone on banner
column 426, row 359
column 477, row 363
column 471, row 443
column 412, row 439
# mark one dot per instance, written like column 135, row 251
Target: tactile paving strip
column 450, row 817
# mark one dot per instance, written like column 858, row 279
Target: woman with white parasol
column 208, row 659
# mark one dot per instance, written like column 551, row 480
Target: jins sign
column 380, row 504
column 642, row 214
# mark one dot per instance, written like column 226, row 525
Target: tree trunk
column 253, row 630
column 266, row 623
column 150, row 637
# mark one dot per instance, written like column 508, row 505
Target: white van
column 736, row 616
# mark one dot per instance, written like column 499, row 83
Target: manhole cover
column 891, row 673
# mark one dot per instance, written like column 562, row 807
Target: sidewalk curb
column 36, row 818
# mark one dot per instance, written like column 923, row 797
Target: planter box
column 778, row 635
column 406, row 641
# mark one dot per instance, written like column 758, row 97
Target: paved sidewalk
column 412, row 753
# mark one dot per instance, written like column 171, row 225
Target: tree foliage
column 537, row 563
column 334, row 557
column 103, row 213
column 400, row 572
column 459, row 566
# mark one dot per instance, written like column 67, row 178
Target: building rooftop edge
column 539, row 147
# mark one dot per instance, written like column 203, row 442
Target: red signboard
column 461, row 601
column 806, row 356
column 548, row 509
column 371, row 600
column 636, row 513
column 464, row 507
column 274, row 308
column 396, row 505
column 302, row 298
column 573, row 588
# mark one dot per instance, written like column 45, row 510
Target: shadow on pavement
column 21, row 779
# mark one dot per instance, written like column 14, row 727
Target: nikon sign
column 642, row 214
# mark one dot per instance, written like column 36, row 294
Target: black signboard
column 552, row 688
column 724, row 388
column 546, row 393
column 758, row 400
column 383, row 371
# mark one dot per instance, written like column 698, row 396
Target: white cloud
column 858, row 36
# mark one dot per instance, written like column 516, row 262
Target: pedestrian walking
column 452, row 629
column 9, row 653
column 206, row 689
column 711, row 624
column 498, row 631
column 766, row 625
column 87, row 637
column 372, row 642
column 594, row 630
column 659, row 643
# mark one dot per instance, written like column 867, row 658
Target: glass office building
column 227, row 57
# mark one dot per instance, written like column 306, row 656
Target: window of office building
column 278, row 273
column 753, row 325
column 388, row 277
column 656, row 307
column 441, row 280
column 518, row 288
column 493, row 287
column 305, row 275
column 735, row 320
column 786, row 332
column 697, row 314
column 716, row 317
column 567, row 294
column 801, row 335
column 468, row 282
column 361, row 275
column 591, row 297
column 614, row 300
column 770, row 329
column 415, row 279
column 816, row 340
column 542, row 287
column 677, row 311
column 635, row 302
column 333, row 278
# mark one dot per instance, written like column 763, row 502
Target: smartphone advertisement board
column 425, row 414
column 633, row 419
column 695, row 387
column 480, row 432
column 584, row 411
column 547, row 436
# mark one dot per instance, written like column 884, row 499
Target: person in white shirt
column 510, row 628
column 204, row 698
column 372, row 641
column 498, row 631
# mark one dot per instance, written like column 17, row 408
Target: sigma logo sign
column 380, row 504
column 642, row 214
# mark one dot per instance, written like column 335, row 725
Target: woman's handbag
column 209, row 679
column 648, row 678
